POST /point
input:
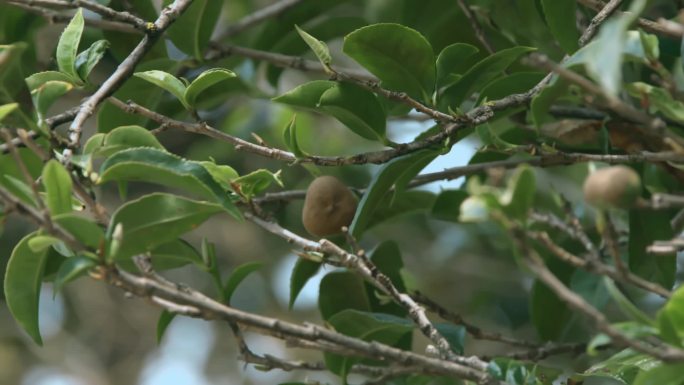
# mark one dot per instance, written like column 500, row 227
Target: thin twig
column 475, row 24
column 591, row 30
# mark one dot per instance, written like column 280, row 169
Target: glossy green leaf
column 237, row 276
column 453, row 61
column 221, row 173
column 650, row 44
column 7, row 109
column 163, row 323
column 645, row 227
column 166, row 81
column 319, row 48
column 156, row 219
column 518, row 198
column 383, row 328
column 192, row 30
column 257, row 181
column 45, row 95
column 447, row 207
column 18, row 188
column 630, row 329
column 41, row 242
column 23, row 279
column 387, row 259
column 626, row 306
column 623, row 366
column 518, row 82
column 357, row 109
column 36, row 80
column 71, row 269
column 381, row 183
column 399, row 56
column 481, row 74
column 667, row 374
column 455, row 334
column 559, row 18
column 306, row 95
column 169, row 255
column 68, row 45
column 122, row 138
column 604, row 57
column 672, row 314
column 341, row 290
column 404, row 203
column 156, row 166
column 58, row 188
column 290, row 138
column 205, row 80
column 83, row 229
column 88, row 59
column 303, row 270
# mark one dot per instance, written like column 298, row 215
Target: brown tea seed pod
column 613, row 187
column 328, row 206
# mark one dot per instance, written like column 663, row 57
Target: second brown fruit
column 329, row 205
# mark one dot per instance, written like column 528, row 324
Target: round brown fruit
column 329, row 205
column 613, row 187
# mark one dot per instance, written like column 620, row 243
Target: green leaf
column 518, row 198
column 550, row 315
column 68, row 45
column 7, row 109
column 447, row 207
column 122, row 138
column 88, row 59
column 58, row 188
column 645, row 227
column 388, row 175
column 319, row 48
column 672, row 314
column 221, row 173
column 83, row 229
column 71, row 269
column 290, row 138
column 625, row 305
column 166, row 81
column 257, row 181
column 156, row 166
column 455, row 334
column 156, row 219
column 481, row 74
column 559, row 18
column 23, row 279
column 306, row 95
column 303, row 270
column 237, row 276
column 357, row 109
column 518, row 82
column 383, row 328
column 42, row 242
column 341, row 290
column 650, row 44
column 45, row 95
column 623, row 366
column 402, row 203
column 192, row 30
column 36, row 80
column 205, row 80
column 667, row 374
column 398, row 55
column 454, row 60
column 387, row 258
column 604, row 57
column 163, row 323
